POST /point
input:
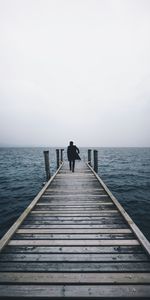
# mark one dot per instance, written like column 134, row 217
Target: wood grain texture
column 75, row 236
column 73, row 242
column 74, row 249
column 111, row 257
column 74, row 230
column 75, row 266
column 76, row 278
column 78, row 291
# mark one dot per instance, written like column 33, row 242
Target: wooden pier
column 74, row 241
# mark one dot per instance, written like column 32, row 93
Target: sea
column 126, row 172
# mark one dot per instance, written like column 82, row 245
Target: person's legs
column 70, row 165
column 73, row 165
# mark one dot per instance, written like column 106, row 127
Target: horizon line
column 48, row 146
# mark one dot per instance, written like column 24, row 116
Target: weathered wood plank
column 74, row 230
column 111, row 217
column 96, row 205
column 74, row 222
column 88, row 196
column 73, row 203
column 75, row 236
column 63, row 226
column 74, row 192
column 52, row 236
column 115, row 257
column 74, row 242
column 72, row 209
column 74, row 214
column 73, row 249
column 79, row 186
column 58, row 188
column 75, row 266
column 76, row 278
column 77, row 291
column 82, row 173
column 92, row 222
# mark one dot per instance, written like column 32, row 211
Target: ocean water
column 126, row 172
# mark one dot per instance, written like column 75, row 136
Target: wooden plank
column 80, row 205
column 74, row 236
column 74, row 222
column 74, row 203
column 38, row 207
column 84, row 177
column 115, row 257
column 76, row 196
column 15, row 226
column 77, row 291
column 76, row 278
column 62, row 223
column 74, row 214
column 58, row 188
column 87, row 196
column 78, row 211
column 68, row 218
column 74, row 230
column 81, row 208
column 59, row 204
column 81, row 211
column 74, row 192
column 73, row 242
column 75, row 266
column 64, row 226
column 73, row 249
column 83, row 174
column 78, row 200
column 79, row 188
column 83, row 186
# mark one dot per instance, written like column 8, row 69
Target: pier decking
column 75, row 240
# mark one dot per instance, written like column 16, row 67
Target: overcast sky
column 75, row 70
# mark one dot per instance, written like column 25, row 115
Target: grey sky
column 75, row 69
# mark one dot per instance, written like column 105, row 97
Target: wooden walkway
column 76, row 241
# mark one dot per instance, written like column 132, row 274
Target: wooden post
column 89, row 156
column 47, row 166
column 95, row 152
column 62, row 155
column 57, row 158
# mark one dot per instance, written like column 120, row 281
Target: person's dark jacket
column 72, row 153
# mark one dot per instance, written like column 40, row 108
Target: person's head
column 71, row 143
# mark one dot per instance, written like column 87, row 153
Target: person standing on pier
column 73, row 154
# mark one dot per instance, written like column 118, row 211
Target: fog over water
column 74, row 70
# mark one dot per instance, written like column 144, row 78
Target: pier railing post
column 47, row 165
column 89, row 156
column 57, row 158
column 95, row 153
column 61, row 158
